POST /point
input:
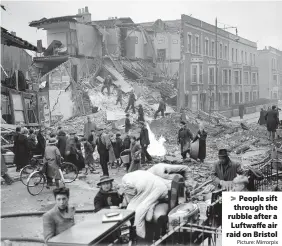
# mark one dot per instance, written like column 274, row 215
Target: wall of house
column 169, row 68
column 112, row 40
column 170, row 42
column 139, row 44
column 59, row 34
column 89, row 40
column 12, row 56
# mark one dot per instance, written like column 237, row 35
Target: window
column 211, row 75
column 230, row 76
column 237, row 99
column 225, row 99
column 220, row 51
column 212, row 49
column 18, row 108
column 194, row 74
column 254, row 95
column 251, row 59
column 242, row 56
column 161, row 54
column 241, row 97
column 232, row 54
column 275, row 82
column 225, row 76
column 189, row 43
column 246, row 78
column 236, row 77
column 200, row 74
column 225, row 52
column 197, row 45
column 254, row 59
column 236, row 55
column 273, row 63
column 251, row 96
column 254, row 79
column 206, row 47
column 230, row 99
column 246, row 58
column 161, row 40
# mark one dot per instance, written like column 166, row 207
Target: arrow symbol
column 233, row 198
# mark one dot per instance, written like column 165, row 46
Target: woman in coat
column 22, row 150
column 41, row 143
column 202, row 136
column 53, row 158
column 272, row 121
column 62, row 142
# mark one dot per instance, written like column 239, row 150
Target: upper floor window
column 246, row 58
column 197, row 45
column 225, row 76
column 233, row 54
column 236, row 77
column 254, row 78
column 236, row 55
column 200, row 74
column 251, row 59
column 206, row 47
column 242, row 56
column 194, row 74
column 225, row 52
column 254, row 59
column 212, row 49
column 189, row 42
column 246, row 78
column 220, row 51
column 211, row 75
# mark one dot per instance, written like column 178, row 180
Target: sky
column 258, row 21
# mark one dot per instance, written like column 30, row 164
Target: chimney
column 82, row 10
column 86, row 9
column 79, row 11
column 13, row 33
column 39, row 46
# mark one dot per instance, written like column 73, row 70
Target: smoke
column 156, row 147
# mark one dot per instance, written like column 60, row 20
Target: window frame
column 189, row 42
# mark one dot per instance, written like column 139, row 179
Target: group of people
column 270, row 118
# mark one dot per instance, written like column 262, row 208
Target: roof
column 113, row 22
column 69, row 18
column 12, row 40
column 169, row 25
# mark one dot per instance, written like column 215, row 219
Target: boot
column 7, row 179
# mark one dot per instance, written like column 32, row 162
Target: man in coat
column 184, row 139
column 71, row 151
column 201, row 136
column 140, row 113
column 127, row 124
column 225, row 170
column 22, row 150
column 88, row 127
column 118, row 147
column 103, row 145
column 52, row 157
column 272, row 122
column 61, row 217
column 107, row 84
column 119, row 95
column 62, row 142
column 144, row 142
column 15, row 139
column 41, row 143
column 131, row 102
column 162, row 108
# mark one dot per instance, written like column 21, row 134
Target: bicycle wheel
column 35, row 183
column 25, row 172
column 69, row 171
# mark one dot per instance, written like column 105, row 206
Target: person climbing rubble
column 119, row 95
column 131, row 102
column 162, row 108
column 107, row 84
column 184, row 139
column 140, row 113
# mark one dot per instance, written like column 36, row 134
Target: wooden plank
column 91, row 231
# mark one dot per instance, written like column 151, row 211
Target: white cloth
column 145, row 189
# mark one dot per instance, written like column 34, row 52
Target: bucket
column 194, row 150
column 125, row 158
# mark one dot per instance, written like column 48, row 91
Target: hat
column 104, row 179
column 241, row 179
column 222, row 153
column 52, row 141
column 183, row 122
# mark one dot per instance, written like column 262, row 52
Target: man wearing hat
column 131, row 102
column 240, row 183
column 184, row 139
column 103, row 149
column 127, row 124
column 107, row 84
column 162, row 108
column 71, row 152
column 225, row 170
column 52, row 156
column 106, row 197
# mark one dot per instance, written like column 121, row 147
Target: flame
column 156, row 147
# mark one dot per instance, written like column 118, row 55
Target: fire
column 156, row 147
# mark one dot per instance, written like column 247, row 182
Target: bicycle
column 35, row 164
column 37, row 179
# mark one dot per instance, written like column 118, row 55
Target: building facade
column 270, row 68
column 237, row 77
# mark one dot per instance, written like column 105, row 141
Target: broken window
column 161, row 54
column 18, row 108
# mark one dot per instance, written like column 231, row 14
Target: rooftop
column 169, row 25
column 110, row 23
column 12, row 40
column 69, row 18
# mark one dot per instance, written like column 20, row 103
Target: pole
column 216, row 70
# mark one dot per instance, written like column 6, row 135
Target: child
column 88, row 152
